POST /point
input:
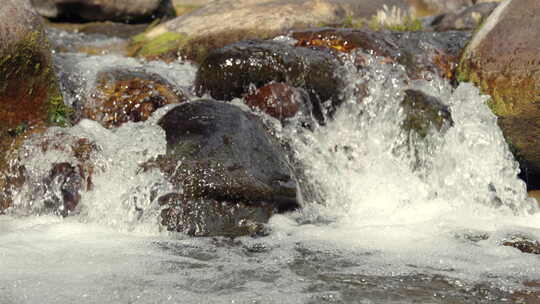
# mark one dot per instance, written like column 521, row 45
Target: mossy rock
column 502, row 60
column 30, row 98
column 424, row 113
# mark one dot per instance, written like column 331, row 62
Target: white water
column 380, row 219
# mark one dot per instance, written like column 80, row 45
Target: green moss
column 163, row 43
column 58, row 112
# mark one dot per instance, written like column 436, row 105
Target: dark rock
column 103, row 10
column 502, row 59
column 280, row 101
column 424, row 112
column 232, row 71
column 63, row 186
column 419, row 52
column 226, row 165
column 467, row 19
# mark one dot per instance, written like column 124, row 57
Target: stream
column 392, row 218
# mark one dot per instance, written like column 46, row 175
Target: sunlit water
column 388, row 225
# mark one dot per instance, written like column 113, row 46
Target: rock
column 523, row 244
column 29, row 94
column 125, row 95
column 228, row 171
column 222, row 22
column 103, row 10
column 419, row 52
column 280, row 101
column 49, row 187
column 99, row 88
column 502, row 59
column 434, row 7
column 424, row 112
column 231, row 72
column 466, row 19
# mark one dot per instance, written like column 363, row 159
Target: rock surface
column 124, row 95
column 466, row 19
column 419, row 52
column 503, row 60
column 102, row 10
column 29, row 94
column 234, row 70
column 222, row 22
column 229, row 173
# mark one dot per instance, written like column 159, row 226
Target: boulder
column 503, row 60
column 222, row 22
column 420, row 52
column 232, row 71
column 466, row 19
column 29, row 92
column 230, row 174
column 102, row 10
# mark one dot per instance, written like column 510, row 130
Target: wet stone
column 125, row 95
column 421, row 53
column 279, row 100
column 222, row 161
column 233, row 71
column 424, row 112
column 523, row 244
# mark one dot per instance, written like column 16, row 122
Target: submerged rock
column 233, row 71
column 29, row 93
column 502, row 59
column 229, row 172
column 92, row 10
column 419, row 52
column 49, row 187
column 524, row 245
column 424, row 112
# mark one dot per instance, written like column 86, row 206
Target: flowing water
column 391, row 217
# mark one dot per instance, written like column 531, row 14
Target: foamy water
column 385, row 223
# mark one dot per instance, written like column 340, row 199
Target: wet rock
column 502, row 59
column 29, row 94
column 124, row 95
column 424, row 112
column 280, row 101
column 524, row 245
column 419, row 52
column 219, row 23
column 53, row 187
column 229, row 172
column 234, row 70
column 100, row 10
column 466, row 19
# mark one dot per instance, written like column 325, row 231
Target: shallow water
column 393, row 218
